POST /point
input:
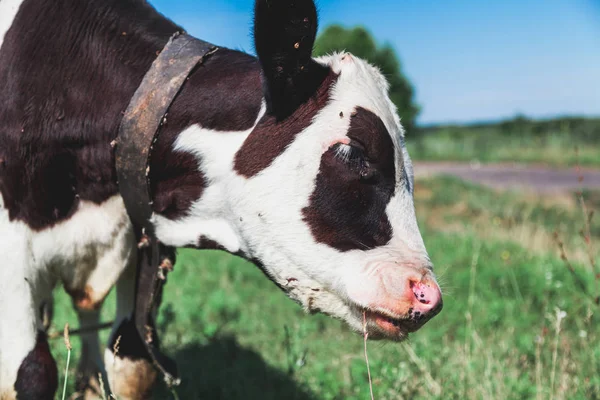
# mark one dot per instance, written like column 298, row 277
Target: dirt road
column 514, row 176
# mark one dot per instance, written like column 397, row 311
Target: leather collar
column 138, row 132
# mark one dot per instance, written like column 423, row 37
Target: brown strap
column 137, row 133
column 144, row 115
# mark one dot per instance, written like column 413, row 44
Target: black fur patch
column 346, row 211
column 271, row 137
column 64, row 88
column 284, row 35
column 37, row 378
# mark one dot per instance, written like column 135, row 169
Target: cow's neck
column 206, row 125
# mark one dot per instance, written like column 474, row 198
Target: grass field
column 559, row 142
column 516, row 324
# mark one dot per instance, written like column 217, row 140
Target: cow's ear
column 284, row 34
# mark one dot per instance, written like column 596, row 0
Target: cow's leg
column 27, row 369
column 130, row 373
column 90, row 362
column 88, row 280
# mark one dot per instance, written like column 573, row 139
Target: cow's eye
column 356, row 160
column 349, row 154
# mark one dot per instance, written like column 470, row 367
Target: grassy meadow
column 558, row 142
column 518, row 323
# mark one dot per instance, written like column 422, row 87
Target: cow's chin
column 315, row 299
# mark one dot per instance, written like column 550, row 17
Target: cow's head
column 319, row 192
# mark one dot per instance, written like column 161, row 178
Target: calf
column 297, row 164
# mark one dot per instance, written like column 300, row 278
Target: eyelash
column 356, row 159
column 347, row 153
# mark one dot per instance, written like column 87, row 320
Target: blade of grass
column 366, row 335
column 68, row 346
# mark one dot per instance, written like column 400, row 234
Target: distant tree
column 360, row 42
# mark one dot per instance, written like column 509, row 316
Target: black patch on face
column 347, row 211
column 271, row 137
column 37, row 378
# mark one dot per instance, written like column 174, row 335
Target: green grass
column 465, row 203
column 557, row 143
column 236, row 336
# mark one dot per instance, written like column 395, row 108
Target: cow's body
column 226, row 160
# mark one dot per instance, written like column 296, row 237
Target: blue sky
column 469, row 60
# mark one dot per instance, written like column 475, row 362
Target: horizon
column 467, row 61
column 485, row 122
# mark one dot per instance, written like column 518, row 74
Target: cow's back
column 68, row 69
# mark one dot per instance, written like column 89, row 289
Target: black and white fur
column 295, row 163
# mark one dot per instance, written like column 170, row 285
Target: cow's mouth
column 383, row 326
column 386, row 326
column 383, row 323
column 377, row 322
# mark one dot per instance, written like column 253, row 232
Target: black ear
column 284, row 35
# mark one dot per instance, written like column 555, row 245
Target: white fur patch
column 91, row 249
column 18, row 278
column 210, row 216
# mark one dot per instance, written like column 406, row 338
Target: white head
column 319, row 192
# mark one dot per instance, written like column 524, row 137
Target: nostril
column 421, row 297
column 419, row 291
column 428, row 299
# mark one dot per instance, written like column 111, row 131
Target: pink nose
column 426, row 304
